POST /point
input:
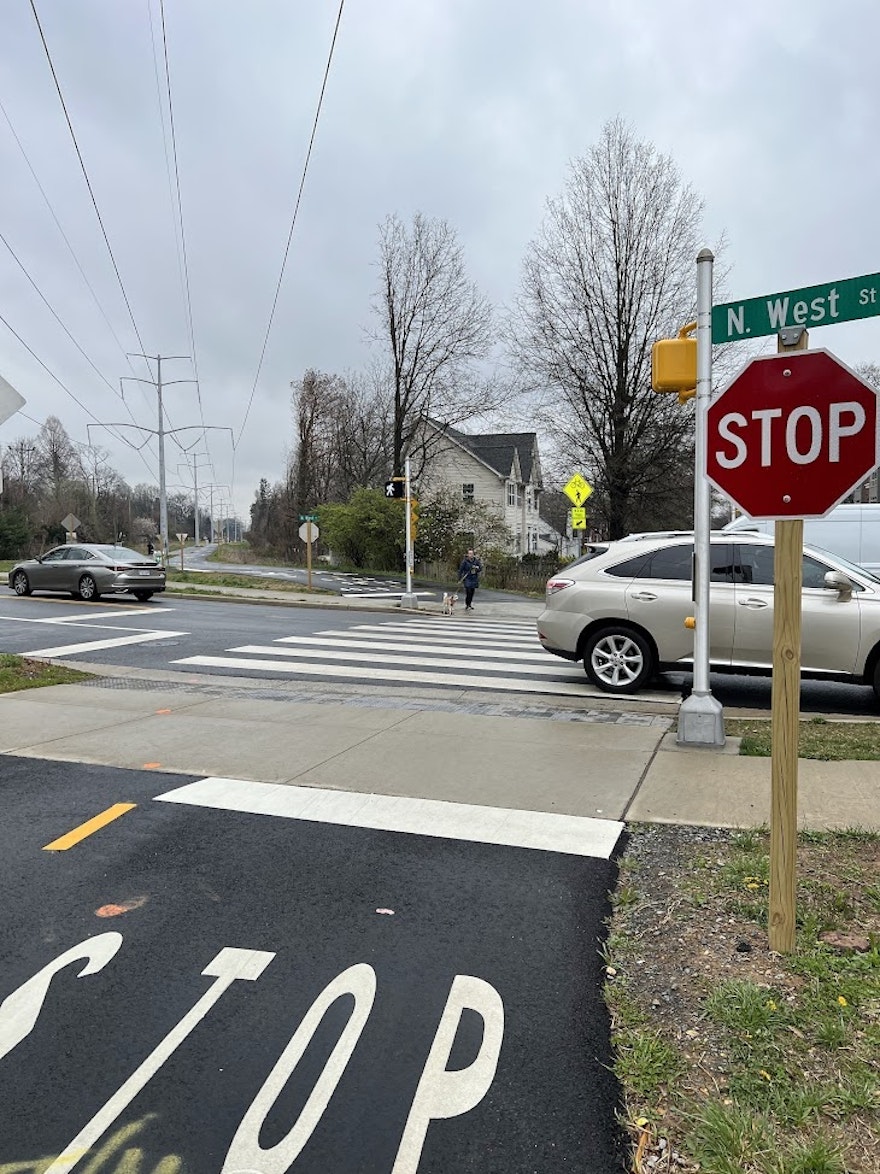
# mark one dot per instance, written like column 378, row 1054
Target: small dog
column 450, row 599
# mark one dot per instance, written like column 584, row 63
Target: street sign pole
column 309, row 555
column 785, row 719
column 408, row 599
column 701, row 718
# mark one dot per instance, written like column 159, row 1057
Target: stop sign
column 792, row 434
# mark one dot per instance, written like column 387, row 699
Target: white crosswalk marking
column 98, row 645
column 501, row 656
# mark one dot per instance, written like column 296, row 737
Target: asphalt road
column 333, row 645
column 198, row 989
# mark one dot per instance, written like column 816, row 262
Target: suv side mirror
column 837, row 581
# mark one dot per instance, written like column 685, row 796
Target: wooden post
column 785, row 722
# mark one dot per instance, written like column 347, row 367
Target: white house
column 500, row 468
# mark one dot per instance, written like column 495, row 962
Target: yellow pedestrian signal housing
column 674, row 362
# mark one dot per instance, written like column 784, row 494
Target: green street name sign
column 308, row 517
column 817, row 305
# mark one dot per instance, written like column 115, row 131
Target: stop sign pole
column 785, row 706
column 788, row 438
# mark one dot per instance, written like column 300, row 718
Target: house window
column 467, row 491
column 511, row 493
column 528, row 499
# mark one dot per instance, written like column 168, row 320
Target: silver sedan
column 87, row 571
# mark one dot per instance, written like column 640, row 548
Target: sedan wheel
column 88, row 588
column 20, row 584
column 618, row 659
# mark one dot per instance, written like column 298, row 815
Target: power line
column 64, row 236
column 86, row 174
column 66, row 389
column 58, row 319
column 189, row 312
column 302, row 183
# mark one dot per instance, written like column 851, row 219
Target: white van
column 851, row 531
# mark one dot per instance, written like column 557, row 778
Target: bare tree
column 611, row 271
column 342, row 437
column 435, row 327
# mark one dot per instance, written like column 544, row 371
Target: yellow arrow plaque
column 578, row 519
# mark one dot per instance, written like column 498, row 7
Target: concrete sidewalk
column 589, row 758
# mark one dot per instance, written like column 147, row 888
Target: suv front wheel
column 618, row 659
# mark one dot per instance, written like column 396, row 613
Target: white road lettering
column 230, row 964
column 246, row 1154
column 20, row 1010
column 441, row 1093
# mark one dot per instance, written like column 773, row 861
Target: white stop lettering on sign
column 804, row 434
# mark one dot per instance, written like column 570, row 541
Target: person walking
column 469, row 574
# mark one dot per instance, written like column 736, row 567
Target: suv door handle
column 643, row 595
column 753, row 603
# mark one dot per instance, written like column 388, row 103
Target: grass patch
column 818, row 738
column 220, row 579
column 730, row 1056
column 19, row 672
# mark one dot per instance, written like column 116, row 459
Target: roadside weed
column 743, row 1060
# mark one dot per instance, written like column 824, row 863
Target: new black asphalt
column 181, row 884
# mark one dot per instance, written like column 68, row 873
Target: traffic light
column 395, row 487
column 674, row 363
column 413, row 518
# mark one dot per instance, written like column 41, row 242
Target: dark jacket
column 469, row 572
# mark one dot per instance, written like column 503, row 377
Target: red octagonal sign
column 792, row 434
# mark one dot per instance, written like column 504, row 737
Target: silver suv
column 622, row 611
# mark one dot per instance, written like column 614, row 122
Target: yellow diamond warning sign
column 578, row 490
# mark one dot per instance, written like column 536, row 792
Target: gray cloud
column 462, row 110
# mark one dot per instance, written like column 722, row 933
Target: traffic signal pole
column 701, row 718
column 408, row 599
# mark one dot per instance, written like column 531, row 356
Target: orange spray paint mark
column 122, row 907
column 152, row 765
column 163, row 711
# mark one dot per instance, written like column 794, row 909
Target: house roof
column 499, row 450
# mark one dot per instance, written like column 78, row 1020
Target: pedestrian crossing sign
column 578, row 519
column 578, row 490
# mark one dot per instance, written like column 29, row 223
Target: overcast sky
column 464, row 109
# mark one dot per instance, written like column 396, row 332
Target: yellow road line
column 86, row 829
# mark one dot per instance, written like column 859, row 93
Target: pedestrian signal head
column 674, row 362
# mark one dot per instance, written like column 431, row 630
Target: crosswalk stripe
column 443, row 649
column 544, row 670
column 575, row 835
column 98, row 645
column 460, row 630
column 573, row 688
column 422, row 640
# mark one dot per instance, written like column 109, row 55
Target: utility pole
column 214, row 485
column 195, row 473
column 161, row 431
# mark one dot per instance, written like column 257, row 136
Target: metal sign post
column 309, row 533
column 701, row 717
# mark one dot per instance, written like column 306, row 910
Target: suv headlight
column 554, row 585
